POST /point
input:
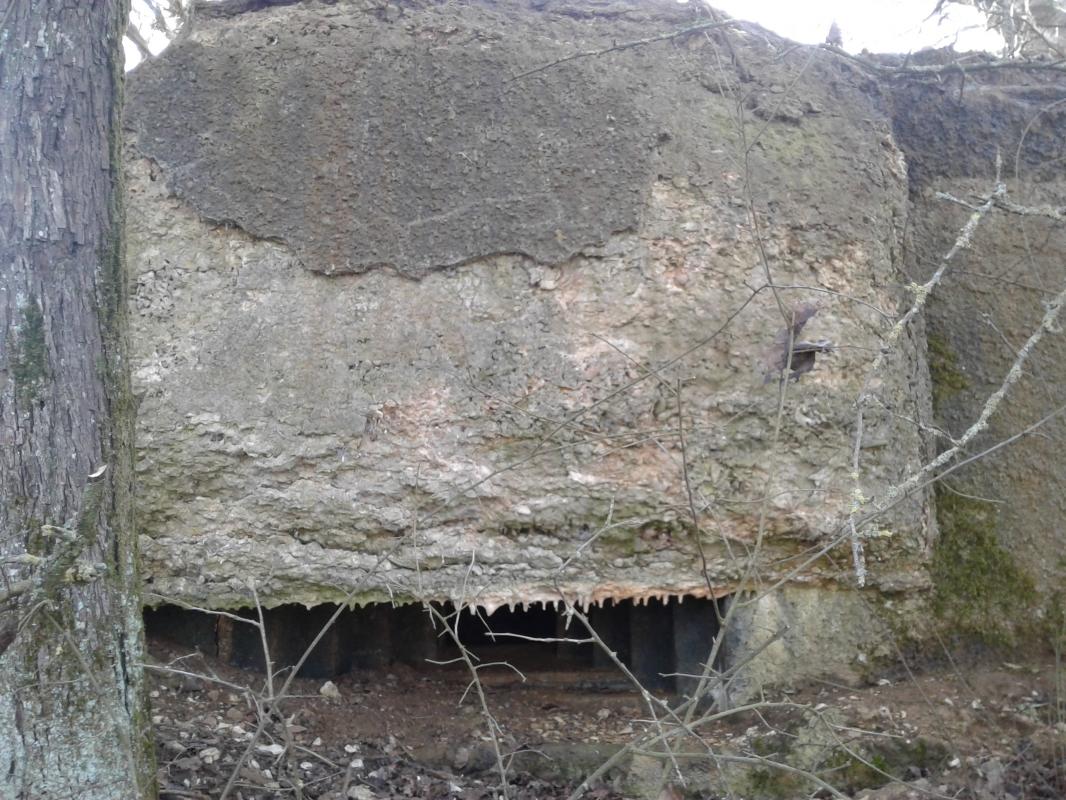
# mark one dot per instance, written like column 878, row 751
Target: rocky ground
column 979, row 731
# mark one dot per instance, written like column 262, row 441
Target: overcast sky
column 880, row 26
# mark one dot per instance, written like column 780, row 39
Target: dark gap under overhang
column 660, row 642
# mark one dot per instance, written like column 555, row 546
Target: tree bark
column 73, row 712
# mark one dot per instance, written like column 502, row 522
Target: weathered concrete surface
column 992, row 300
column 316, row 421
column 395, row 143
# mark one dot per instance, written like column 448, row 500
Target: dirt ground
column 1000, row 727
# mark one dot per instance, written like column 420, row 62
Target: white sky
column 880, row 26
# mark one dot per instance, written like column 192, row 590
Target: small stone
column 306, row 766
column 603, row 713
column 317, row 742
column 253, row 774
column 329, row 690
column 270, row 749
column 234, row 715
column 209, row 755
column 351, row 748
column 360, row 792
column 461, row 758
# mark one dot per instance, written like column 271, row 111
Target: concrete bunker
column 356, row 335
column 664, row 643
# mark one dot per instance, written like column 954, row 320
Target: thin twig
column 700, row 26
column 490, row 721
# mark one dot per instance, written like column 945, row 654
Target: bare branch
column 701, row 26
column 921, row 296
column 475, row 681
column 959, row 67
column 1049, row 324
column 1057, row 213
column 134, row 36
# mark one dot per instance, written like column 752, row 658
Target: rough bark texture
column 313, row 419
column 72, row 708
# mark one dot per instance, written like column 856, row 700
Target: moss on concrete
column 980, row 591
column 777, row 784
column 866, row 766
column 944, row 371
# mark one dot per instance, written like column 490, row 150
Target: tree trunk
column 73, row 715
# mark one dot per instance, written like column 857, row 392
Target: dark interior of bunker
column 664, row 644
